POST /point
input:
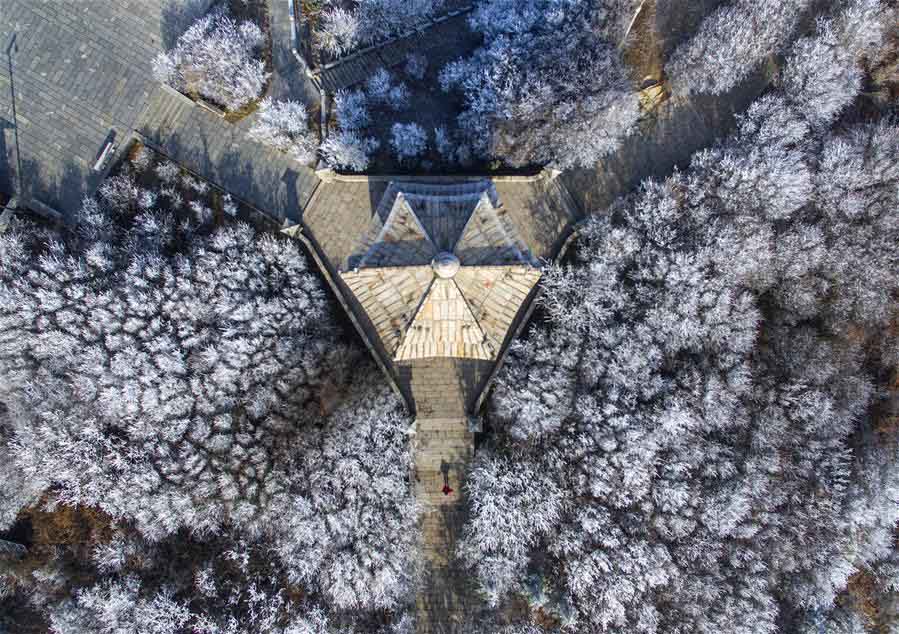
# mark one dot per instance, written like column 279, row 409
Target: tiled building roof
column 445, row 272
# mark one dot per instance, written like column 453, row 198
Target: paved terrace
column 75, row 75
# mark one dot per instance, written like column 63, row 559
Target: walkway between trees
column 443, row 448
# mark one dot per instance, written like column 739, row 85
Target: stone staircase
column 443, row 448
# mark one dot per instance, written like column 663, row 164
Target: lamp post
column 14, row 48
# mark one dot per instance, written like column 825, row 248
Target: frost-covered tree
column 348, row 149
column 416, row 65
column 824, row 72
column 155, row 371
column 732, row 43
column 548, row 86
column 692, row 421
column 340, row 29
column 350, row 528
column 187, row 382
column 217, row 58
column 115, row 607
column 382, row 89
column 284, row 125
column 351, row 110
column 408, row 140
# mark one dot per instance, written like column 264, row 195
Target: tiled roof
column 444, row 327
column 418, row 314
column 391, row 297
column 495, row 294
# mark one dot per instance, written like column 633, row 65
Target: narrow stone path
column 443, row 449
column 289, row 80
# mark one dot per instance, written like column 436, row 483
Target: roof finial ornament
column 445, row 265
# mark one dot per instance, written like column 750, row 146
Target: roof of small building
column 443, row 274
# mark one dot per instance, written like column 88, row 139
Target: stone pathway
column 443, row 448
column 76, row 75
column 290, row 80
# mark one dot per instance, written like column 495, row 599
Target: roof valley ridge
column 400, row 206
column 488, row 211
column 408, row 326
column 489, row 339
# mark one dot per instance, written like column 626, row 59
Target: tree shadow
column 278, row 188
column 61, row 192
column 177, row 16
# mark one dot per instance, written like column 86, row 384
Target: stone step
column 441, row 423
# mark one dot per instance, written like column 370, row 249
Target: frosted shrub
column 351, row 109
column 141, row 159
column 378, row 85
column 217, row 58
column 408, row 140
column 194, row 184
column 228, row 205
column 442, row 143
column 398, row 97
column 201, row 212
column 120, row 192
column 416, row 65
column 168, row 172
column 147, row 199
column 338, row 31
column 348, row 149
column 284, row 126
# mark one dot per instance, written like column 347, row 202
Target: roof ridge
column 443, row 322
column 400, row 205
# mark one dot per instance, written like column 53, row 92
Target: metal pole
column 13, row 47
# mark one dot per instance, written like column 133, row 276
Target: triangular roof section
column 444, row 326
column 401, row 240
column 487, row 240
column 391, row 297
column 443, row 217
column 495, row 294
